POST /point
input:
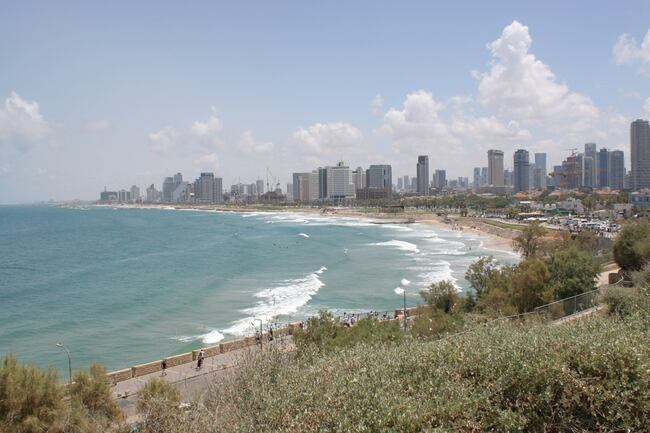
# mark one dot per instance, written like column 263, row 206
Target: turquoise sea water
column 125, row 286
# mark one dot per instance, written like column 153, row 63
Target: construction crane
column 274, row 179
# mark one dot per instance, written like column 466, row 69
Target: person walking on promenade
column 199, row 362
column 163, row 365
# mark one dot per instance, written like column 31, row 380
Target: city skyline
column 231, row 90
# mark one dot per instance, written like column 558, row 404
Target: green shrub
column 325, row 333
column 632, row 246
column 624, row 301
column 591, row 376
column 442, row 295
column 92, row 392
column 572, row 271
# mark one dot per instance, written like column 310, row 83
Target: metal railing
column 571, row 305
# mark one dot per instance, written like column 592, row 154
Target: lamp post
column 402, row 290
column 61, row 346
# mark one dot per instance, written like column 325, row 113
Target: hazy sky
column 115, row 93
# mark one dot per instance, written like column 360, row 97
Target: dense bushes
column 632, row 247
column 32, row 400
column 325, row 333
column 590, row 376
column 624, row 301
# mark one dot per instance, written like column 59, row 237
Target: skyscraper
column 339, row 182
column 168, row 189
column 407, row 183
column 476, row 179
column 440, row 179
column 135, row 194
column 259, row 184
column 359, row 178
column 590, row 168
column 301, row 187
column 495, row 168
column 540, row 172
column 209, row 189
column 640, row 154
column 521, row 171
column 379, row 176
column 616, row 170
column 423, row 175
column 603, row 168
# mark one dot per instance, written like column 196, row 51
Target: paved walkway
column 187, row 378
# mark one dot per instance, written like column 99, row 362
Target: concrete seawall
column 188, row 357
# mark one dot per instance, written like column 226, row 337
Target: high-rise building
column 322, row 183
column 379, row 176
column 484, row 176
column 603, row 168
column 439, row 179
column 521, row 171
column 259, row 185
column 182, row 193
column 616, row 170
column 539, row 172
column 495, row 168
column 135, row 194
column 204, row 188
column 400, row 184
column 423, row 175
column 289, row 192
column 359, row 178
column 124, row 196
column 301, row 187
column 476, row 179
column 588, row 171
column 153, row 195
column 178, row 179
column 218, row 190
column 313, row 185
column 590, row 168
column 168, row 189
column 407, row 183
column 507, row 178
column 640, row 154
column 339, row 182
column 414, row 184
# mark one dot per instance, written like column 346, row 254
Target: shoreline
column 496, row 238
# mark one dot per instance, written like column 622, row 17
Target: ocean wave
column 284, row 299
column 304, row 235
column 402, row 245
column 212, row 337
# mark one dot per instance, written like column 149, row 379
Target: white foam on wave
column 284, row 299
column 304, row 235
column 402, row 245
column 212, row 337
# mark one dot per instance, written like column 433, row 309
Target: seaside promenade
column 187, row 378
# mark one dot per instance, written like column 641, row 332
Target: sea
column 123, row 286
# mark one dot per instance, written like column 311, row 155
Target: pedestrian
column 199, row 362
column 163, row 366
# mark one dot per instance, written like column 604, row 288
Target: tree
column 31, row 400
column 441, row 295
column 529, row 285
column 90, row 390
column 572, row 271
column 632, row 246
column 529, row 241
column 480, row 273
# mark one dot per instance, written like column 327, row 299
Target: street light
column 59, row 345
column 401, row 290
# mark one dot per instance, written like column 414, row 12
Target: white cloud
column 420, row 127
column 646, row 105
column 522, row 87
column 376, row 105
column 628, row 51
column 248, row 144
column 21, row 123
column 209, row 162
column 208, row 128
column 163, row 141
column 97, row 125
column 326, row 138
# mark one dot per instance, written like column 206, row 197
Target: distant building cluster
column 591, row 168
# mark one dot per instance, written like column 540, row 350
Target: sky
column 111, row 94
